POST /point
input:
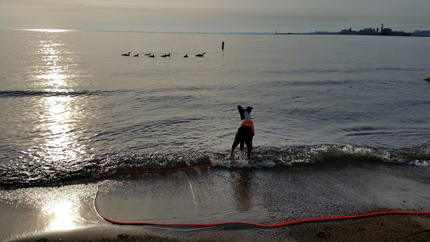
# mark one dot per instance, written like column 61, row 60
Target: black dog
column 245, row 133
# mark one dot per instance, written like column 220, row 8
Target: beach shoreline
column 264, row 196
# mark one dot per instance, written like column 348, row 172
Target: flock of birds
column 186, row 56
column 165, row 55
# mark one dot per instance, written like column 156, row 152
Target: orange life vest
column 249, row 123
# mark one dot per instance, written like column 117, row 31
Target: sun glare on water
column 52, row 72
column 59, row 112
column 48, row 30
column 62, row 215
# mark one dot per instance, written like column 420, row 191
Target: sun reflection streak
column 58, row 113
column 52, row 72
column 63, row 215
column 49, row 30
column 59, row 121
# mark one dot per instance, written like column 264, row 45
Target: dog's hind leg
column 241, row 150
column 235, row 143
column 249, row 146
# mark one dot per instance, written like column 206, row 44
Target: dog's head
column 245, row 113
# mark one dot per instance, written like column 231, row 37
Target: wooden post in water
column 222, row 46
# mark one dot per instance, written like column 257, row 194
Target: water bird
column 136, row 55
column 126, row 54
column 151, row 56
column 201, row 55
column 427, row 79
column 166, row 55
column 148, row 54
column 186, row 56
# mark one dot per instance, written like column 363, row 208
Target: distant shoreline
column 401, row 33
column 370, row 31
column 404, row 35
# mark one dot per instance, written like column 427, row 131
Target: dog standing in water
column 245, row 133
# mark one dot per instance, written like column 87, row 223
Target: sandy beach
column 264, row 196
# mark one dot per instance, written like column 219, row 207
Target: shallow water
column 258, row 196
column 72, row 106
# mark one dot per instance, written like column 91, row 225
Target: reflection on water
column 49, row 30
column 52, row 72
column 242, row 187
column 58, row 114
column 63, row 215
column 58, row 120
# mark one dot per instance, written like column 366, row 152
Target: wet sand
column 379, row 228
column 264, row 196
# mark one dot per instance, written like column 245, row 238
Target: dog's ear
column 249, row 109
column 241, row 111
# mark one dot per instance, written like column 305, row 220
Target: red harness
column 249, row 123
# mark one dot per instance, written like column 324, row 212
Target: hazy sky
column 215, row 15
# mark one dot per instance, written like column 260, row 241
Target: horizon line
column 318, row 32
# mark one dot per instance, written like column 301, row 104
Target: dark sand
column 267, row 196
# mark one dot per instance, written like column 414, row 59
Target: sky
column 215, row 16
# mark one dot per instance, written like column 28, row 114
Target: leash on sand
column 229, row 223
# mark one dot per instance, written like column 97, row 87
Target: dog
column 245, row 133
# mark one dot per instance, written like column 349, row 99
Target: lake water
column 73, row 106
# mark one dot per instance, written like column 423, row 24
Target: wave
column 21, row 93
column 25, row 173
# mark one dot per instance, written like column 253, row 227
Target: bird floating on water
column 136, row 55
column 126, row 54
column 148, row 54
column 151, row 56
column 427, row 79
column 186, row 56
column 201, row 55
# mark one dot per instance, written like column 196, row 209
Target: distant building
column 383, row 31
column 348, row 31
column 386, row 31
column 367, row 31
